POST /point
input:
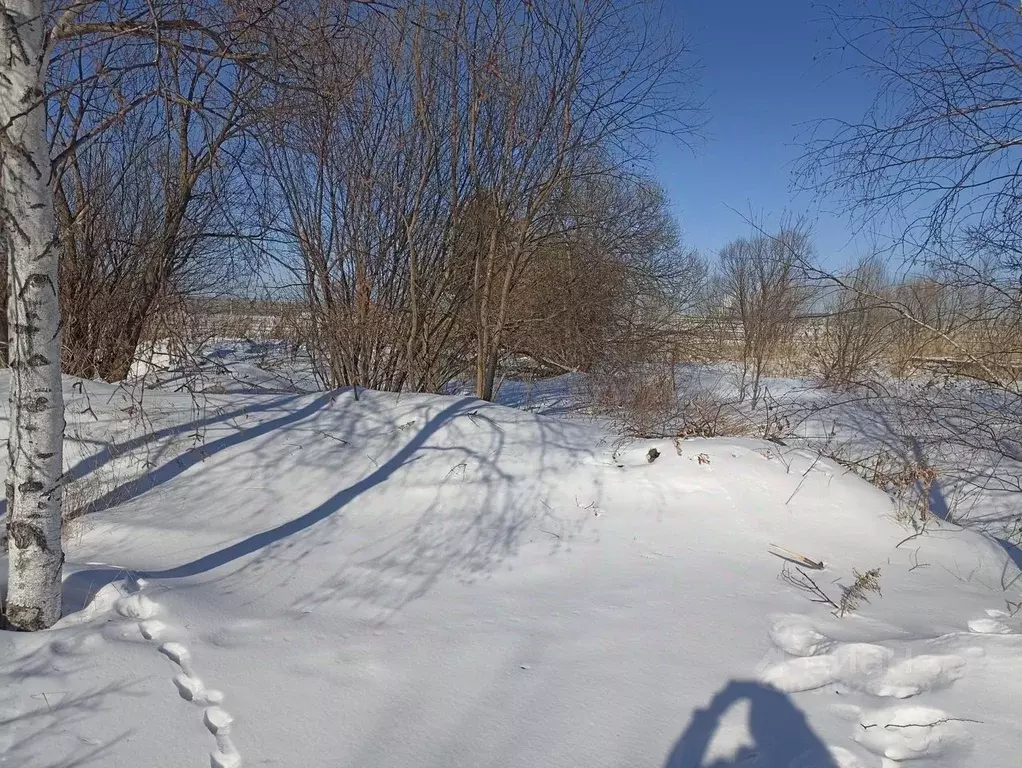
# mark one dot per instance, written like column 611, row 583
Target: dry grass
column 77, row 501
column 643, row 399
column 645, row 402
column 709, row 415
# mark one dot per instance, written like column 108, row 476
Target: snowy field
column 274, row 576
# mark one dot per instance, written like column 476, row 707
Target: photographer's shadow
column 783, row 738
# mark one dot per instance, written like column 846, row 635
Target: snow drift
column 410, row 581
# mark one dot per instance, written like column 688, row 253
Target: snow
column 301, row 578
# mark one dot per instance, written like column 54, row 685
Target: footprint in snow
column 895, row 733
column 914, row 675
column 844, row 758
column 869, row 668
column 176, row 653
column 188, row 685
column 860, row 666
column 218, row 722
column 989, row 627
column 795, row 637
column 77, row 644
column 997, row 613
column 152, row 629
column 847, row 662
column 138, row 606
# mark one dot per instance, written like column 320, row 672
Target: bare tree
column 145, row 210
column 36, row 400
column 555, row 86
column 612, row 284
column 764, row 293
column 363, row 184
column 37, row 37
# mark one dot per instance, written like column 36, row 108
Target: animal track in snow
column 844, row 758
column 189, row 687
column 866, row 667
column 847, row 663
column 917, row 674
column 894, row 733
column 136, row 605
column 152, row 629
column 187, row 683
column 217, row 720
column 192, row 689
column 77, row 644
column 176, row 653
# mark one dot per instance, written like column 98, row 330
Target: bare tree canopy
column 439, row 163
column 936, row 152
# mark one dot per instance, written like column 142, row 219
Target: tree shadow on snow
column 782, row 736
column 188, row 459
column 38, row 725
column 474, row 520
column 953, row 434
column 112, row 451
column 938, row 506
column 419, row 558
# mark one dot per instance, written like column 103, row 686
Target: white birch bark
column 36, row 400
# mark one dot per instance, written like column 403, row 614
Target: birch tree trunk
column 36, row 401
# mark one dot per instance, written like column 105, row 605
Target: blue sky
column 766, row 70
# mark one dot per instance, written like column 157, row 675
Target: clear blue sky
column 767, row 69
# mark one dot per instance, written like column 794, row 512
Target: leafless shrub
column 927, row 165
column 444, row 166
column 909, row 482
column 803, row 582
column 644, row 400
column 612, row 286
column 856, row 332
column 639, row 394
column 234, row 323
column 292, row 326
column 79, row 494
column 78, row 500
column 707, row 414
column 772, row 421
column 862, row 585
column 932, row 326
column 144, row 211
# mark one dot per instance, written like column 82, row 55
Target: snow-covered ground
column 269, row 576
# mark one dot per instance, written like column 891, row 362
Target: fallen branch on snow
column 787, row 554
